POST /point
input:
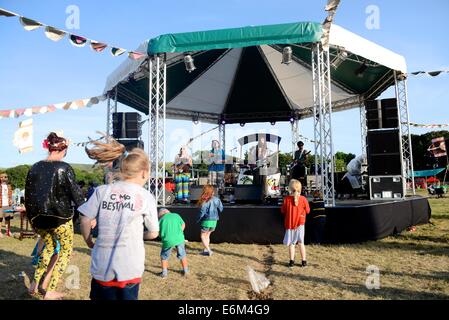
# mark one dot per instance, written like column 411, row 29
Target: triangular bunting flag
column 7, row 13
column 117, row 51
column 434, row 73
column 54, row 34
column 77, row 41
column 97, row 46
column 29, row 25
column 136, row 55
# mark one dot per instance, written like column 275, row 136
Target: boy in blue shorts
column 171, row 231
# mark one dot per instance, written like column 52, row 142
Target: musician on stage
column 260, row 157
column 216, row 167
column 299, row 164
column 182, row 166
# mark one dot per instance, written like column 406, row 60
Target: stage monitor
column 126, row 125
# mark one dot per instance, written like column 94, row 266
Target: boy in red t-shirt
column 294, row 209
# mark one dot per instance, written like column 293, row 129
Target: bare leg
column 291, row 250
column 302, row 250
column 184, row 263
column 164, row 264
column 205, row 239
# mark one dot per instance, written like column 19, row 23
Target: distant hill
column 80, row 166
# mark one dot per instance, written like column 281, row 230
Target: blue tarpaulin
column 427, row 173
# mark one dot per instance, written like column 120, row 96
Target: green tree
column 17, row 175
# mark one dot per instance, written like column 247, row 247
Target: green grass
column 413, row 265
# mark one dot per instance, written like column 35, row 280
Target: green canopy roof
column 287, row 33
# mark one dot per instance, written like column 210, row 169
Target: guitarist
column 182, row 166
column 299, row 164
column 216, row 164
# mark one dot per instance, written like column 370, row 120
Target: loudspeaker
column 126, row 125
column 381, row 114
column 248, row 193
column 131, row 144
column 384, row 156
column 386, row 187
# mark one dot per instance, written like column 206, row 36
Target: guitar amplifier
column 386, row 187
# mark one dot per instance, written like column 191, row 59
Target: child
column 171, row 228
column 294, row 209
column 121, row 210
column 210, row 207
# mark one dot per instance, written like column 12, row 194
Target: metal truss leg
column 324, row 153
column 404, row 132
column 157, row 115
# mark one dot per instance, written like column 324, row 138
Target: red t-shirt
column 294, row 216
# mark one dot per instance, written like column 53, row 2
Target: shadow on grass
column 383, row 292
column 12, row 285
column 444, row 275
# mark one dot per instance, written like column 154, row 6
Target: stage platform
column 350, row 221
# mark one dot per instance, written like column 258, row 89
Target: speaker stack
column 384, row 150
column 127, row 129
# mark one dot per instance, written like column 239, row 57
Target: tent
column 258, row 74
column 239, row 76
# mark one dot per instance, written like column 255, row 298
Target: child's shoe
column 304, row 263
column 163, row 274
column 291, row 263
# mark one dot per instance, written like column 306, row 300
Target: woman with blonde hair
column 294, row 209
column 122, row 209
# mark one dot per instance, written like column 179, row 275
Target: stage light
column 273, row 123
column 195, row 119
column 287, row 55
column 361, row 70
column 292, row 119
column 242, row 124
column 341, row 56
column 188, row 61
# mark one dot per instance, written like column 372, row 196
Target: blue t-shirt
column 219, row 155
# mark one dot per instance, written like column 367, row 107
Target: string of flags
column 428, row 73
column 56, row 34
column 430, row 126
column 68, row 105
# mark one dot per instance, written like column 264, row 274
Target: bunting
column 429, row 126
column 428, row 73
column 23, row 137
column 56, row 34
column 70, row 105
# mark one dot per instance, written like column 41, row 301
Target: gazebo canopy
column 239, row 76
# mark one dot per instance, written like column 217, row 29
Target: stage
column 350, row 221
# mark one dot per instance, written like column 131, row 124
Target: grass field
column 412, row 265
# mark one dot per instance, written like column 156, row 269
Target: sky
column 35, row 71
